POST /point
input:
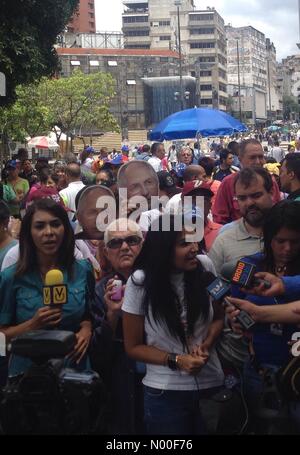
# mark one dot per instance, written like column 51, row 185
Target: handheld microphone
column 55, row 292
column 219, row 289
column 242, row 274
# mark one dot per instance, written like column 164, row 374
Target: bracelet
column 172, row 361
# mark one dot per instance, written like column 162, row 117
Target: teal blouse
column 21, row 297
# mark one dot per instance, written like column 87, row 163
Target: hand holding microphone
column 55, row 294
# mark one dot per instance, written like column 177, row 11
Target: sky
column 277, row 19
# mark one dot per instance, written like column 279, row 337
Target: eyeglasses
column 131, row 240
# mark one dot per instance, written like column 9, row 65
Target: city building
column 84, row 19
column 247, row 73
column 274, row 95
column 161, row 24
column 147, row 82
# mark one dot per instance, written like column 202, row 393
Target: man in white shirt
column 158, row 153
column 75, row 184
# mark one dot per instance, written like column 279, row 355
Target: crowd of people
column 160, row 224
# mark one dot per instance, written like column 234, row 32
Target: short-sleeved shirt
column 158, row 336
column 8, row 194
column 234, row 243
column 21, row 188
column 21, row 297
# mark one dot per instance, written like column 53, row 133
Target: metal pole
column 269, row 82
column 239, row 77
column 180, row 62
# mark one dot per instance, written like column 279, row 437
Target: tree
column 28, row 116
column 290, row 106
column 28, row 32
column 80, row 102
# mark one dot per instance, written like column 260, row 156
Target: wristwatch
column 172, row 361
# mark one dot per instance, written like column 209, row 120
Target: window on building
column 132, row 19
column 207, row 59
column 205, row 73
column 136, row 33
column 222, row 87
column 164, row 23
column 206, row 101
column 165, row 38
column 201, row 17
column 91, row 5
column 164, row 59
column 92, row 24
column 202, row 45
column 202, row 31
column 205, row 87
column 92, row 15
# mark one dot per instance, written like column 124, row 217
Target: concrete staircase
column 112, row 140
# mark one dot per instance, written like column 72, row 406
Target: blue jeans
column 174, row 412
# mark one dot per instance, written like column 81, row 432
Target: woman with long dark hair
column 46, row 243
column 169, row 324
column 270, row 341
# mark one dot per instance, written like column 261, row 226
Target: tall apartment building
column 153, row 24
column 274, row 97
column 84, row 19
column 247, row 72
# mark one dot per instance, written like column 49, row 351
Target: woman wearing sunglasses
column 123, row 242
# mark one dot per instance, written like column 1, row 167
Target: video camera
column 48, row 398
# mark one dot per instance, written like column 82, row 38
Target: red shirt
column 226, row 207
column 211, row 231
column 45, row 192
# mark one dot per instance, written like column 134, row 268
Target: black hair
column 285, row 214
column 292, row 161
column 157, row 261
column 246, row 176
column 208, row 164
column 234, row 147
column 4, row 212
column 155, row 147
column 224, row 154
column 28, row 258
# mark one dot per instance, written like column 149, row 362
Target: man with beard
column 253, row 193
column 226, row 207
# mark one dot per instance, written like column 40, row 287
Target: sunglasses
column 131, row 240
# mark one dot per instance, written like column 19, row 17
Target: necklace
column 281, row 269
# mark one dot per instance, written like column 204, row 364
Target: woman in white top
column 169, row 323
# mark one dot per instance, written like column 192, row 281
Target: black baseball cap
column 167, row 183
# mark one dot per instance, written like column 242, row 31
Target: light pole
column 178, row 4
column 239, row 78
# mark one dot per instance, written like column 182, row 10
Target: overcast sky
column 277, row 19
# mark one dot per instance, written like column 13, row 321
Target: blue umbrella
column 193, row 122
column 273, row 128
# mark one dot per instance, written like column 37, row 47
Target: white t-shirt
column 69, row 194
column 174, row 205
column 158, row 335
column 156, row 163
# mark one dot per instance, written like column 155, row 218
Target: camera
column 48, row 398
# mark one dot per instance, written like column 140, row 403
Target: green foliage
column 28, row 31
column 290, row 105
column 78, row 102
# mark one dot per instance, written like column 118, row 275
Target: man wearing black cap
column 167, row 185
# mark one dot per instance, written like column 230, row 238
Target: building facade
column 247, row 73
column 161, row 24
column 146, row 82
column 274, row 96
column 84, row 19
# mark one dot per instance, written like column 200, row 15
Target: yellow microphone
column 55, row 292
